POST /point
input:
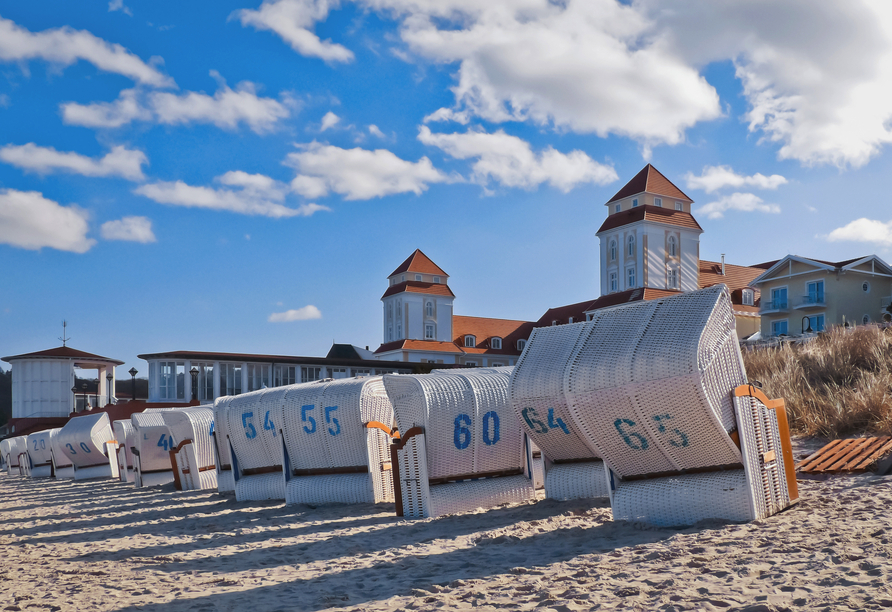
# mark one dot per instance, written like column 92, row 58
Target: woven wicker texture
column 253, row 428
column 125, row 435
column 63, row 465
column 83, row 439
column 684, row 500
column 759, row 435
column 225, row 477
column 469, row 428
column 260, row 487
column 333, row 488
column 193, row 424
column 576, row 481
column 16, row 450
column 153, row 442
column 40, row 454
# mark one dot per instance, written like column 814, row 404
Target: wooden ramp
column 854, row 455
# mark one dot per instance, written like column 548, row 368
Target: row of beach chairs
column 647, row 405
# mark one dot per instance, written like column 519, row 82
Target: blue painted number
column 332, row 420
column 490, row 428
column 529, row 415
column 35, row 443
column 71, row 448
column 165, row 442
column 43, row 443
column 268, row 424
column 84, row 447
column 308, row 418
column 681, row 440
column 462, row 435
column 641, row 443
column 554, row 424
column 250, row 430
column 212, row 429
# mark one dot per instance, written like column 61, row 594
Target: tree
column 5, row 396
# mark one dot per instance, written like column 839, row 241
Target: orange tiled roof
column 419, row 287
column 484, row 329
column 419, row 345
column 419, row 262
column 656, row 214
column 737, row 278
column 562, row 314
column 650, row 180
column 64, row 352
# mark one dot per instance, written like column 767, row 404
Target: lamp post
column 84, row 390
column 194, row 373
column 806, row 320
column 108, row 378
column 74, row 393
column 133, row 372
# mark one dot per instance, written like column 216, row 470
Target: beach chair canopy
column 40, row 454
column 83, row 439
column 461, row 445
column 125, row 436
column 192, row 428
column 60, row 458
column 650, row 388
column 153, row 446
column 16, row 448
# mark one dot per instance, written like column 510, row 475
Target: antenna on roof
column 64, row 339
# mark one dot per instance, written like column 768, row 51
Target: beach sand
column 104, row 545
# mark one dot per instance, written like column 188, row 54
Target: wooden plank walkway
column 854, row 455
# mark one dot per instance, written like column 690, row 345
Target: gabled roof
column 652, row 181
column 656, row 214
column 64, row 352
column 419, row 287
column 630, row 295
column 419, row 262
column 736, row 277
column 562, row 314
column 349, row 351
column 418, row 345
column 829, row 266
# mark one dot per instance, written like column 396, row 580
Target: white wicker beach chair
column 6, row 447
column 151, row 451
column 337, row 441
column 461, row 445
column 16, row 455
column 572, row 469
column 62, row 466
column 658, row 390
column 40, row 455
column 222, row 455
column 86, row 441
column 124, row 436
column 192, row 457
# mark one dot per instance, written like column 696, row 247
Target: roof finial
column 64, row 339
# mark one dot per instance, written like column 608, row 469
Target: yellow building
column 801, row 295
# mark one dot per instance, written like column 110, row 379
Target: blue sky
column 237, row 176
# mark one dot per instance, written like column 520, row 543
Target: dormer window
column 679, row 206
column 496, row 343
column 658, row 202
column 634, row 202
column 436, row 279
column 521, row 344
column 747, row 296
column 617, row 208
column 470, row 341
column 418, row 277
column 554, row 322
column 403, row 278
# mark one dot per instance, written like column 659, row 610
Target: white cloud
column 248, row 194
column 714, row 178
column 815, row 73
column 118, row 5
column 4, row 100
column 374, row 130
column 301, row 314
column 447, row 114
column 358, row 174
column 227, row 108
column 744, row 202
column 512, row 162
column 293, row 21
column 120, row 161
column 30, row 221
column 863, row 230
column 329, row 121
column 131, row 229
column 64, row 46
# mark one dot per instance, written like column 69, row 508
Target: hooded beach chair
column 461, row 446
column 87, row 441
column 192, row 457
column 337, row 436
column 62, row 466
column 124, row 436
column 15, row 451
column 40, row 455
column 151, row 449
column 657, row 389
column 222, row 455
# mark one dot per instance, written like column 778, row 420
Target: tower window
column 613, row 281
column 429, row 332
column 631, row 246
column 631, row 278
column 429, row 309
column 613, row 250
column 672, row 279
column 673, row 246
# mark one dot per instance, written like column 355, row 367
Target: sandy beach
column 103, row 545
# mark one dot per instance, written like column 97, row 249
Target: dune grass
column 838, row 385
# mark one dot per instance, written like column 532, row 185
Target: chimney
column 723, row 264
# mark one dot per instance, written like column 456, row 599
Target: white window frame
column 429, row 309
column 471, row 364
column 437, row 279
column 819, row 284
column 613, row 249
column 569, row 319
column 630, row 277
column 521, row 344
column 865, row 287
column 771, row 293
column 430, row 331
column 634, row 202
column 310, row 373
column 658, row 202
column 672, row 246
column 617, row 208
column 679, row 206
column 496, row 343
column 748, row 297
column 470, row 341
column 612, row 281
column 418, row 278
column 631, row 246
column 672, row 278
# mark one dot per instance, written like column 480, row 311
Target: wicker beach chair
column 337, row 441
column 572, row 469
column 40, row 455
column 151, row 450
column 658, row 390
column 222, row 455
column 461, row 446
column 16, row 450
column 86, row 441
column 192, row 457
column 124, row 436
column 62, row 466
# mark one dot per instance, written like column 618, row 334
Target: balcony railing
column 774, row 306
column 812, row 301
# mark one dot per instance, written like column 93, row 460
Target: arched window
column 496, row 343
column 521, row 344
column 673, row 247
column 631, row 246
column 613, row 250
column 429, row 309
column 470, row 341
